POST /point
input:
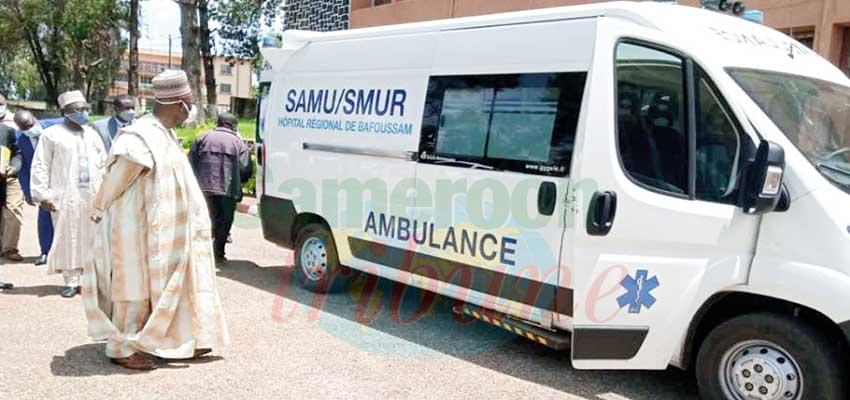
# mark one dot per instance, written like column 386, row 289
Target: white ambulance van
column 642, row 184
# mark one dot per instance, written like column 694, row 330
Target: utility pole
column 169, row 51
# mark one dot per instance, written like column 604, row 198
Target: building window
column 804, row 35
column 224, row 88
column 226, row 69
column 380, row 2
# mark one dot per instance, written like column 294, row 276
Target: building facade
column 233, row 79
column 823, row 25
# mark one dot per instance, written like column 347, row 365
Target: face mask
column 33, row 132
column 127, row 116
column 79, row 118
column 3, row 110
column 193, row 113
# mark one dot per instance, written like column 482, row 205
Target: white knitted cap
column 74, row 96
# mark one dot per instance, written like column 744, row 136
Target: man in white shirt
column 66, row 173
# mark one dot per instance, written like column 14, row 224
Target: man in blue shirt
column 29, row 131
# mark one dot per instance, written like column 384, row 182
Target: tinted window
column 523, row 121
column 718, row 146
column 464, row 122
column 519, row 122
column 651, row 120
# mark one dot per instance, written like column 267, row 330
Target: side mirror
column 762, row 187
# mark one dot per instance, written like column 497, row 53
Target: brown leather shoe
column 136, row 361
column 202, row 352
column 14, row 255
column 198, row 354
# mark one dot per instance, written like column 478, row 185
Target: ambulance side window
column 652, row 127
column 464, row 121
column 517, row 122
column 651, row 117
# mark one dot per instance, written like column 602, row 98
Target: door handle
column 259, row 147
column 600, row 215
column 546, row 198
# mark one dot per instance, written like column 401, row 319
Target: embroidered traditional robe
column 150, row 285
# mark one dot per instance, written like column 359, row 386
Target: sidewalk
column 248, row 206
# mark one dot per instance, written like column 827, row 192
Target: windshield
column 813, row 114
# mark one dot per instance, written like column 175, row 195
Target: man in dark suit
column 29, row 131
column 8, row 172
column 124, row 112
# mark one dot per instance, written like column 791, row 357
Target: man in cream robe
column 65, row 174
column 150, row 286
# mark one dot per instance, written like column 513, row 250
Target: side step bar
column 553, row 340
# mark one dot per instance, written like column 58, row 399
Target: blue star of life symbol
column 638, row 291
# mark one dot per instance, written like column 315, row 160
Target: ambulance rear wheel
column 769, row 357
column 317, row 265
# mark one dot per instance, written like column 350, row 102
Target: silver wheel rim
column 314, row 258
column 760, row 370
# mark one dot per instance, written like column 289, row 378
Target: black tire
column 821, row 364
column 335, row 277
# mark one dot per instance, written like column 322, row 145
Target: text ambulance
column 644, row 184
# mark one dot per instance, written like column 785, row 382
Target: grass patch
column 246, row 130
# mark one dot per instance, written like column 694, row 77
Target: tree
column 241, row 24
column 133, row 59
column 191, row 62
column 207, row 58
column 72, row 43
column 19, row 78
column 40, row 24
column 93, row 31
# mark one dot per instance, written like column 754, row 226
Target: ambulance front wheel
column 769, row 357
column 317, row 265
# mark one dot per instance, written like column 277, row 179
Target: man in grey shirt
column 222, row 163
column 124, row 112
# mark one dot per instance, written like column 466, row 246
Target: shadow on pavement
column 426, row 324
column 90, row 360
column 38, row 291
column 26, row 260
column 87, row 360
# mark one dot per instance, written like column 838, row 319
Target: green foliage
column 19, row 76
column 241, row 24
column 66, row 44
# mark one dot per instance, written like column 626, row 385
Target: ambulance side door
column 498, row 138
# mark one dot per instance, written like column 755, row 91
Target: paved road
column 288, row 343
